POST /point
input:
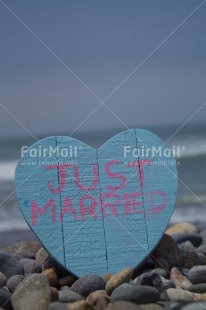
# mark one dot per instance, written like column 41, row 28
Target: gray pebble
column 30, row 266
column 5, row 299
column 57, row 306
column 69, row 296
column 161, row 272
column 136, row 294
column 33, row 293
column 198, row 288
column 200, row 305
column 195, row 239
column 3, row 280
column 123, row 305
column 88, row 284
column 197, row 274
column 10, row 266
column 150, row 278
column 185, row 272
column 13, row 282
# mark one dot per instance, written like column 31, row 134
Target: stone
column 80, row 305
column 3, row 280
column 188, row 259
column 54, row 294
column 179, row 279
column 51, row 275
column 187, row 246
column 197, row 274
column 120, row 277
column 33, row 293
column 107, row 276
column 30, row 266
column 123, row 305
column 99, row 299
column 202, row 259
column 162, row 263
column 201, row 249
column 195, row 239
column 10, row 266
column 168, row 250
column 87, row 284
column 5, row 300
column 198, row 288
column 161, row 272
column 69, row 296
column 151, row 307
column 195, row 306
column 181, row 295
column 181, row 228
column 150, row 278
column 23, row 249
column 13, row 282
column 185, row 272
column 167, row 283
column 68, row 280
column 57, row 306
column 137, row 294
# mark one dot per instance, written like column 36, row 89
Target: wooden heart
column 98, row 211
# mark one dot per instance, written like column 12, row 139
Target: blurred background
column 93, row 68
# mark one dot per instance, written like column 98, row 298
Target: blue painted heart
column 98, row 211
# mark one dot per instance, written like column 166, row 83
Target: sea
column 190, row 142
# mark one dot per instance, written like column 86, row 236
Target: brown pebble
column 107, row 276
column 80, row 305
column 54, row 294
column 179, row 279
column 99, row 299
column 181, row 228
column 123, row 305
column 68, row 280
column 23, row 249
column 117, row 279
column 51, row 275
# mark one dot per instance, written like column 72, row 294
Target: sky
column 144, row 61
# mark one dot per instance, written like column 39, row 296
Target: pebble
column 99, row 299
column 150, row 278
column 201, row 249
column 198, row 288
column 167, row 283
column 197, row 274
column 107, row 276
column 69, row 296
column 57, row 306
column 161, row 272
column 181, row 295
column 179, row 279
column 195, row 306
column 168, row 250
column 123, row 305
column 181, row 228
column 120, row 277
column 187, row 246
column 23, row 249
column 80, row 305
column 188, row 259
column 3, row 280
column 138, row 294
column 5, row 301
column 87, row 284
column 195, row 239
column 33, row 293
column 54, row 294
column 13, row 282
column 10, row 266
column 30, row 266
column 68, row 280
column 51, row 276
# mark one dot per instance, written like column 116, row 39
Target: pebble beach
column 172, row 277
